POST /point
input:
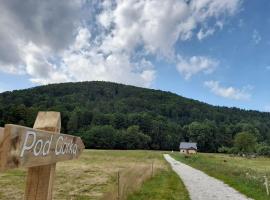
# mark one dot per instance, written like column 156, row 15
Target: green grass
column 166, row 185
column 244, row 174
column 93, row 175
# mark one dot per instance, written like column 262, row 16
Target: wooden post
column 39, row 183
column 1, row 134
column 152, row 169
column 118, row 184
column 38, row 149
column 266, row 185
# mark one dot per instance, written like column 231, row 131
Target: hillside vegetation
column 115, row 116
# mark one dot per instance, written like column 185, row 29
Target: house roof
column 188, row 145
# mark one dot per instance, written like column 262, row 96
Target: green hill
column 109, row 115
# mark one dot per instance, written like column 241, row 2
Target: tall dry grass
column 89, row 177
column 130, row 180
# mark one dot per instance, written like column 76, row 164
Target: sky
column 215, row 51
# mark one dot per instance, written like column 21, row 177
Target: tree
column 136, row 139
column 100, row 137
column 263, row 150
column 72, row 124
column 245, row 142
column 164, row 119
column 119, row 121
column 100, row 119
column 204, row 134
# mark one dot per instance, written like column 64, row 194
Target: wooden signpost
column 38, row 149
column 1, row 134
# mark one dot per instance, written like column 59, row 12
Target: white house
column 188, row 147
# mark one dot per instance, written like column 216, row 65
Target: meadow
column 246, row 175
column 142, row 175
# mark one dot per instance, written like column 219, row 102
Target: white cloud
column 92, row 64
column 54, row 41
column 256, row 37
column 196, row 64
column 82, row 39
column 229, row 92
column 205, row 33
column 158, row 25
column 35, row 33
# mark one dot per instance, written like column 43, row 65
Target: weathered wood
column 1, row 139
column 1, row 135
column 26, row 147
column 39, row 183
column 39, row 149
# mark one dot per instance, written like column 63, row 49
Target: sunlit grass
column 91, row 176
column 244, row 174
column 166, row 185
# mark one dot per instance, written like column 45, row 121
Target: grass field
column 95, row 174
column 244, row 174
column 165, row 185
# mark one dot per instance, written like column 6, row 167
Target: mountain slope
column 110, row 115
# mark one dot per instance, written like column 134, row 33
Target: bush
column 232, row 150
column 224, row 149
column 245, row 142
column 100, row 137
column 263, row 150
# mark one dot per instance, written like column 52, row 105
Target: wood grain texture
column 59, row 147
column 1, row 135
column 39, row 183
column 38, row 148
column 1, row 144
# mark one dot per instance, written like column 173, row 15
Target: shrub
column 233, row 150
column 263, row 150
column 224, row 149
column 245, row 142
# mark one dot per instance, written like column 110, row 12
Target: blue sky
column 213, row 51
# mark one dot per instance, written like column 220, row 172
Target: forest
column 115, row 116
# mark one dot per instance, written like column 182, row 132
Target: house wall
column 188, row 151
column 183, row 151
column 192, row 151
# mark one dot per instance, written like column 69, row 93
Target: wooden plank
column 1, row 135
column 39, row 183
column 26, row 147
column 1, row 139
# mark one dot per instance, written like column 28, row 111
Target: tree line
column 115, row 116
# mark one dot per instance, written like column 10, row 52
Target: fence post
column 39, row 183
column 118, row 185
column 152, row 173
column 266, row 185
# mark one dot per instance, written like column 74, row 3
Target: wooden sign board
column 1, row 134
column 27, row 147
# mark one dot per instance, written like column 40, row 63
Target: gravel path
column 201, row 186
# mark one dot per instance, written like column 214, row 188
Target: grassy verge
column 89, row 177
column 243, row 174
column 166, row 185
